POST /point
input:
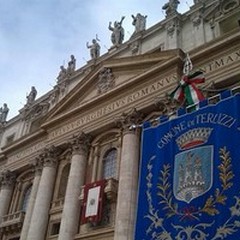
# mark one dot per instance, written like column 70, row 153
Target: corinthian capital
column 7, row 179
column 37, row 164
column 127, row 120
column 166, row 105
column 81, row 142
column 49, row 156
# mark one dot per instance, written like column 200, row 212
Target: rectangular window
column 55, row 228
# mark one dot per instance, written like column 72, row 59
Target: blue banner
column 189, row 178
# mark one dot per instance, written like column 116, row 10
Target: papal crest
column 193, row 173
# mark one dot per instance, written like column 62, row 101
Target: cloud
column 36, row 37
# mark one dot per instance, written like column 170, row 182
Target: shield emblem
column 193, row 173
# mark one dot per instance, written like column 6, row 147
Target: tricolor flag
column 187, row 91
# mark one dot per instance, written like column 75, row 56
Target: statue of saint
column 32, row 95
column 139, row 22
column 117, row 32
column 3, row 113
column 94, row 49
column 62, row 74
column 171, row 7
column 71, row 65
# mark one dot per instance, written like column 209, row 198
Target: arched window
column 110, row 163
column 63, row 181
column 26, row 198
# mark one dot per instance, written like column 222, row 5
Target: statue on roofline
column 139, row 22
column 117, row 32
column 3, row 113
column 171, row 7
column 62, row 74
column 65, row 73
column 94, row 48
column 71, row 65
column 32, row 95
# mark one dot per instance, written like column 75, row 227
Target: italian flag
column 186, row 90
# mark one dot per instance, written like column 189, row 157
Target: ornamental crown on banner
column 193, row 138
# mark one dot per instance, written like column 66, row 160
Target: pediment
column 108, row 78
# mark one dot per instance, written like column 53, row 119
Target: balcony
column 12, row 222
column 110, row 189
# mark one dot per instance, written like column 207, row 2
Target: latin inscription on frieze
column 26, row 152
column 115, row 105
column 221, row 62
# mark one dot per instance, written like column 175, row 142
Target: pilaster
column 173, row 28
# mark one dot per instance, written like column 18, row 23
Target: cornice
column 141, row 59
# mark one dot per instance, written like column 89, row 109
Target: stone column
column 128, row 178
column 39, row 219
column 7, row 180
column 27, row 220
column 71, row 209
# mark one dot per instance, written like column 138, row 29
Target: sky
column 37, row 36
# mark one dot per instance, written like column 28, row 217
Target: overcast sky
column 37, row 36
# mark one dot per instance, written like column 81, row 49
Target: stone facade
column 86, row 128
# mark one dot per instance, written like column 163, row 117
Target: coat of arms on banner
column 193, row 168
column 189, row 178
column 193, row 173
